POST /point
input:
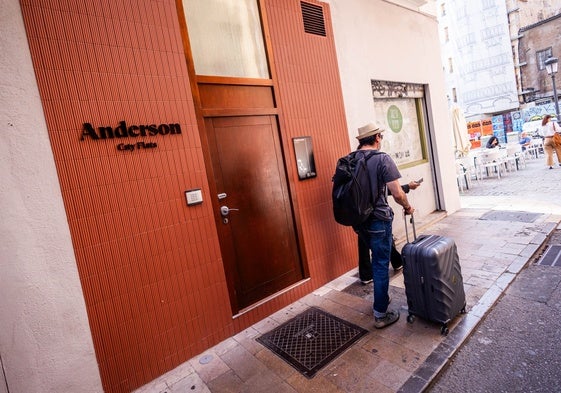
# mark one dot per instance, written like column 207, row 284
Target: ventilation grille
column 313, row 19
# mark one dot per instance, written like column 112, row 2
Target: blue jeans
column 364, row 264
column 378, row 235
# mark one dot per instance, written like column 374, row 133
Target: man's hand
column 399, row 196
column 413, row 185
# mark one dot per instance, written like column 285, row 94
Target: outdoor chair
column 463, row 176
column 492, row 159
column 520, row 157
column 475, row 163
column 514, row 156
column 535, row 148
column 465, row 171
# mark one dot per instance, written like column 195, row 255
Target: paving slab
column 499, row 230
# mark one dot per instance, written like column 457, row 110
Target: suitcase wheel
column 410, row 318
column 444, row 330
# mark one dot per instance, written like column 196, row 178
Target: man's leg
column 380, row 234
column 396, row 259
column 364, row 264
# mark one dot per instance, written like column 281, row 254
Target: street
column 516, row 346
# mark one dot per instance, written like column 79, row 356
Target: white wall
column 378, row 40
column 45, row 340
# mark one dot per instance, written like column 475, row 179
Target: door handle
column 225, row 210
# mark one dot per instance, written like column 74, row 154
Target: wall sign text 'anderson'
column 124, row 131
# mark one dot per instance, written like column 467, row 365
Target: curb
column 438, row 359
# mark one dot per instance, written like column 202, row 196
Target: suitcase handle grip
column 412, row 221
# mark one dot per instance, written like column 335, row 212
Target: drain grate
column 311, row 340
column 551, row 256
column 516, row 216
column 360, row 290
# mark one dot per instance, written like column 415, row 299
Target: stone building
column 537, row 42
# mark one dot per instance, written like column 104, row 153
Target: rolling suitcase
column 433, row 279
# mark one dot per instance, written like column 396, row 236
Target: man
column 364, row 262
column 525, row 140
column 377, row 231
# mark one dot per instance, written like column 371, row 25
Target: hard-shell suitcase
column 433, row 280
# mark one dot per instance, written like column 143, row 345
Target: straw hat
column 369, row 130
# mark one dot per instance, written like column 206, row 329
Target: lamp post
column 551, row 66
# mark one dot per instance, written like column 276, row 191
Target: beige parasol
column 459, row 126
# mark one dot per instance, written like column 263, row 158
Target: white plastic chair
column 475, row 163
column 511, row 157
column 468, row 163
column 535, row 148
column 519, row 156
column 492, row 159
column 463, row 173
column 503, row 157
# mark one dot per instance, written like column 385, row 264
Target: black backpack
column 352, row 193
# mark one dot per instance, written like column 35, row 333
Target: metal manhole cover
column 551, row 256
column 311, row 340
column 516, row 216
column 360, row 290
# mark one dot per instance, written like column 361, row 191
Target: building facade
column 168, row 169
column 538, row 41
column 522, row 14
column 490, row 49
column 477, row 57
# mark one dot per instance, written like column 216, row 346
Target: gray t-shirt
column 382, row 170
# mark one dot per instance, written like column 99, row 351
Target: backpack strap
column 384, row 190
column 367, row 155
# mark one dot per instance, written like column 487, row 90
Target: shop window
column 401, row 110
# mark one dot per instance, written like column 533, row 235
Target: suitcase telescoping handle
column 412, row 221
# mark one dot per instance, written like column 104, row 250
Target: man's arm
column 399, row 196
column 410, row 186
column 407, row 187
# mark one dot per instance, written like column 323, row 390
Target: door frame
column 282, row 237
column 203, row 111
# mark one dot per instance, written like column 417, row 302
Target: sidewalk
column 501, row 225
column 520, row 334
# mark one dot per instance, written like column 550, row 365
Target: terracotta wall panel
column 142, row 254
column 309, row 91
column 150, row 266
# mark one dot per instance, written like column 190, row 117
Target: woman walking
column 549, row 128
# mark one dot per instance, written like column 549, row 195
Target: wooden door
column 258, row 239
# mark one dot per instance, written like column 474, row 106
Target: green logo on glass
column 395, row 119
